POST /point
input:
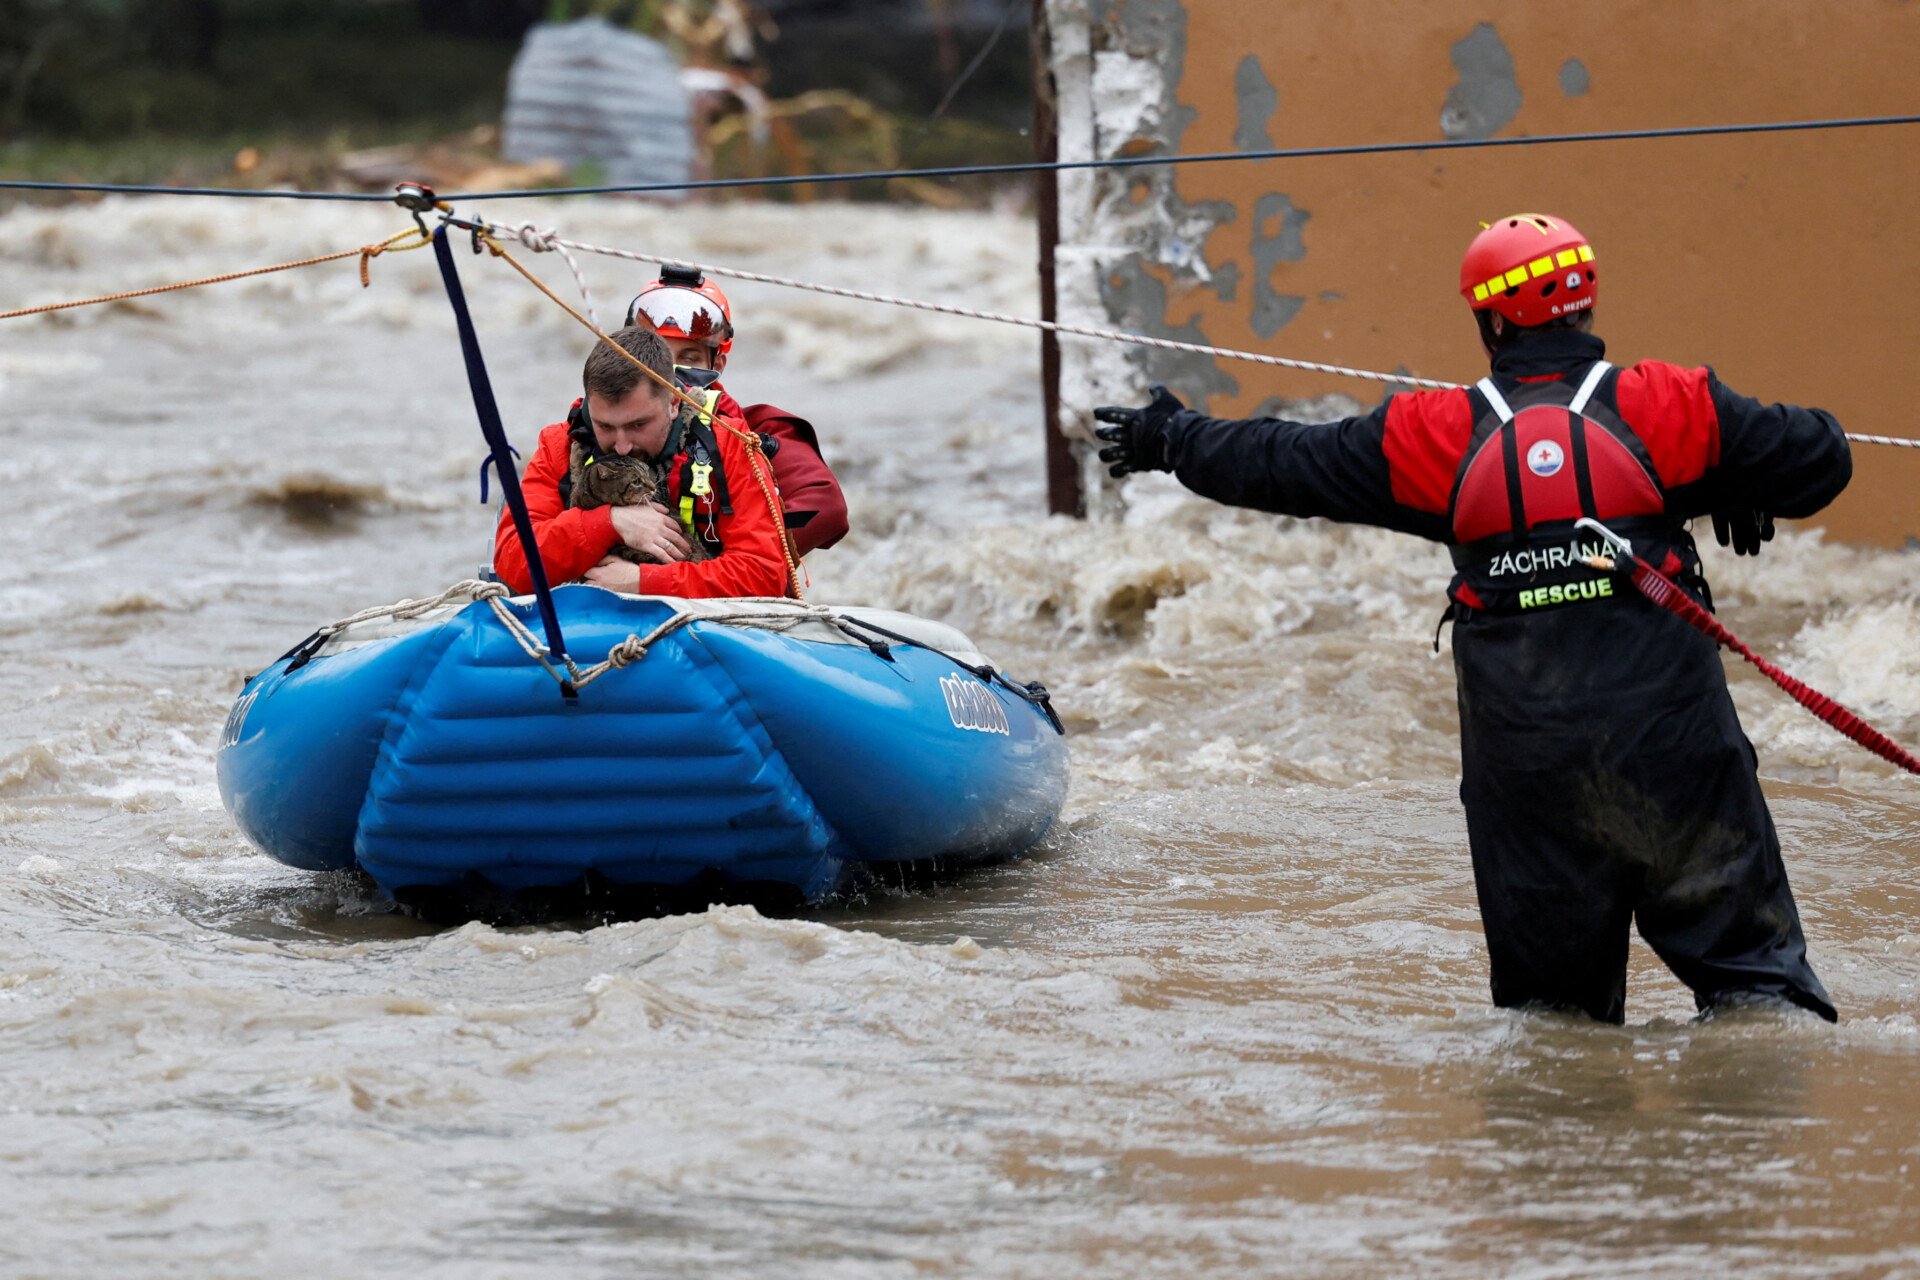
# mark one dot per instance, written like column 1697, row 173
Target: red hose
column 1662, row 590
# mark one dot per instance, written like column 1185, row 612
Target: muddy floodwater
column 1229, row 1019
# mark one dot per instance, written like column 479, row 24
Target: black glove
column 1138, row 437
column 1744, row 530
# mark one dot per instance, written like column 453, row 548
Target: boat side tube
column 911, row 756
column 300, row 743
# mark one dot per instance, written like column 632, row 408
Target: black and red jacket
column 1707, row 447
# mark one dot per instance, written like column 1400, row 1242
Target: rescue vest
column 703, row 480
column 1536, row 462
column 695, row 462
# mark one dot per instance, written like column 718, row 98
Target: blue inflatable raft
column 754, row 744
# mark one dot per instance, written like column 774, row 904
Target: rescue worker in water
column 720, row 483
column 1605, row 776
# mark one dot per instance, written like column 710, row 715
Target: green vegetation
column 102, row 70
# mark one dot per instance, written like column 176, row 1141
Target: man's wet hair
column 610, row 375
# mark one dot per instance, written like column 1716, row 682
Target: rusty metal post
column 1064, row 494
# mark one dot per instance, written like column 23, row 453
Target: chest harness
column 693, row 485
column 1539, row 459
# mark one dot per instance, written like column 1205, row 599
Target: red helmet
column 1530, row 268
column 683, row 304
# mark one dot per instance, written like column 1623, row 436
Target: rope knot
column 540, row 240
column 627, row 652
column 368, row 252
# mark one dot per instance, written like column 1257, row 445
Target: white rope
column 635, row 648
column 544, row 239
column 470, row 589
column 778, row 614
column 549, row 239
column 1048, row 326
column 630, row 650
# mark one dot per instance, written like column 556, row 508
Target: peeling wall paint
column 1258, row 100
column 1721, row 250
column 1279, row 235
column 1126, row 236
column 1486, row 97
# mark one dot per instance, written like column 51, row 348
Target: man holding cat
column 722, row 486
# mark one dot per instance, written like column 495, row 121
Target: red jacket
column 816, row 509
column 571, row 541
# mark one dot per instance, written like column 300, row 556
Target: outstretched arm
column 1721, row 454
column 1778, row 458
column 1339, row 470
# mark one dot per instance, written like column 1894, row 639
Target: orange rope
column 366, row 253
column 755, row 454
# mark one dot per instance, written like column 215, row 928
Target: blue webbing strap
column 486, row 465
column 496, row 435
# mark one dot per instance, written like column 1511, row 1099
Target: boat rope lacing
column 366, row 253
column 756, row 455
column 764, row 613
column 757, row 613
column 407, row 610
column 549, row 240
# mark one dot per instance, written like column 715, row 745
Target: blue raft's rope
column 491, row 428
